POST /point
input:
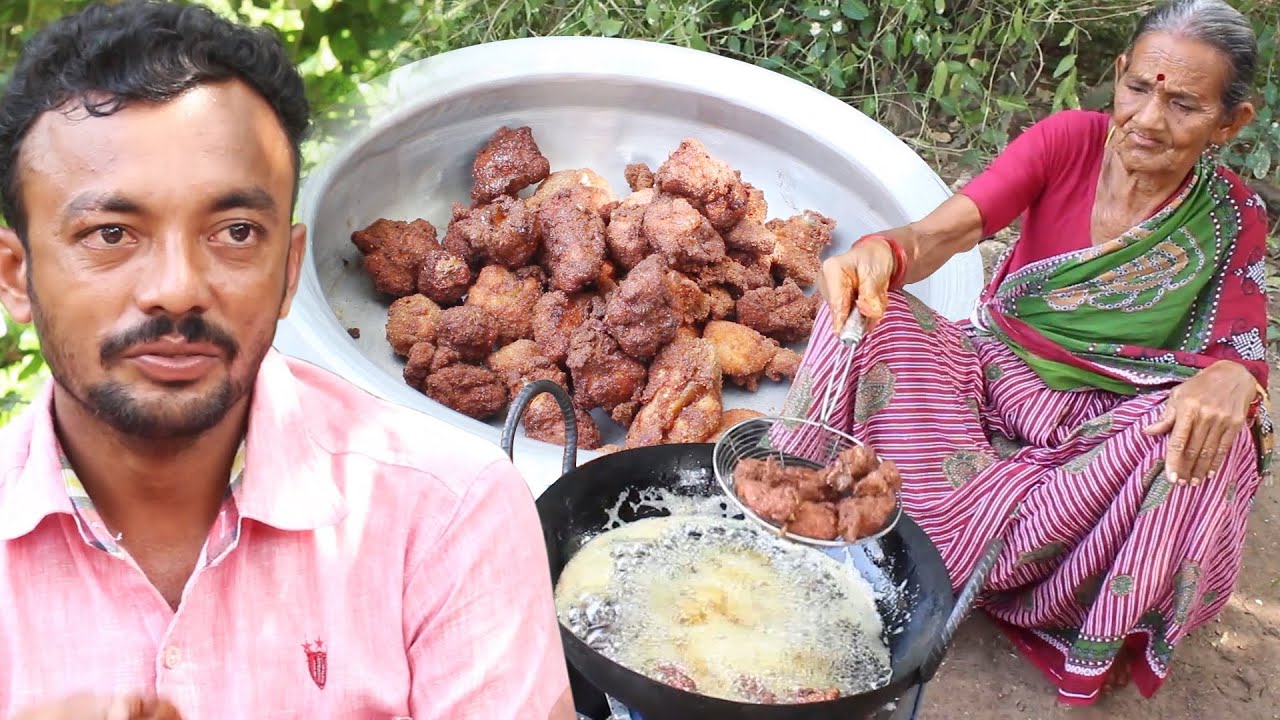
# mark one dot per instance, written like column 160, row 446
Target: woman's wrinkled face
column 1168, row 104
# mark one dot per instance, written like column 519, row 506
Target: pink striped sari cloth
column 1102, row 552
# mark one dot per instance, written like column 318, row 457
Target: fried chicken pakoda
column 745, row 355
column 509, row 162
column 555, row 316
column 501, row 232
column 507, row 297
column 468, row 330
column 584, row 185
column 851, row 498
column 682, row 398
column 573, row 242
column 410, row 320
column 684, row 237
column 472, row 390
column 732, row 417
column 521, row 363
column 625, row 235
column 603, row 375
column 444, row 277
column 393, row 251
column 418, row 364
column 638, row 176
column 639, row 305
column 800, row 240
column 717, row 189
column 642, row 315
column 783, row 313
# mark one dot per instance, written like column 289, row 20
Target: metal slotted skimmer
column 796, row 441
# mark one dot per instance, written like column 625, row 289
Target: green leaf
column 1070, row 38
column 1065, row 65
column 939, row 6
column 889, row 44
column 1259, row 162
column 610, row 27
column 748, row 23
column 938, row 87
column 854, row 9
column 322, row 5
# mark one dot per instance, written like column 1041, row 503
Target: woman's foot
column 1118, row 675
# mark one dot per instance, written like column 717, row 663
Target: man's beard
column 158, row 417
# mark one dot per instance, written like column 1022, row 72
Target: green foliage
column 954, row 78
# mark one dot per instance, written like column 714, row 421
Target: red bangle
column 899, row 258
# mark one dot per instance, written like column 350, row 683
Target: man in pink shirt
column 192, row 525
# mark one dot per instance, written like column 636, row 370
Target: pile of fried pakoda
column 851, row 498
column 639, row 305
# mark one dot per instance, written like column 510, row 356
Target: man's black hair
column 106, row 56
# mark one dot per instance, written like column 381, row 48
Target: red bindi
column 1160, row 77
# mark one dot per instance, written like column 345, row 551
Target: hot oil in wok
column 741, row 613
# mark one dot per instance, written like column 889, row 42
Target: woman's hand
column 858, row 276
column 1204, row 415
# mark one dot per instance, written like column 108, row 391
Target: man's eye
column 239, row 234
column 111, row 235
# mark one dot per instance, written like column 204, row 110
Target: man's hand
column 564, row 709
column 98, row 707
column 1203, row 416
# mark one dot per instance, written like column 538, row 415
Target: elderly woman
column 1093, row 413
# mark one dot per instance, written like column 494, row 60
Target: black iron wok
column 913, row 590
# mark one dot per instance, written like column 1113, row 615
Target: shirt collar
column 288, row 478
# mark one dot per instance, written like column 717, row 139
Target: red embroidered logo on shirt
column 317, row 662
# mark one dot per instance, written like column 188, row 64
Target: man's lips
column 172, row 362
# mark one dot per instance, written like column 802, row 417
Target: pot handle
column 964, row 603
column 521, row 403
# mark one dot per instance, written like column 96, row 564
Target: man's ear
column 293, row 265
column 14, row 292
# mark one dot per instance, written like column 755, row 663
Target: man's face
column 160, row 254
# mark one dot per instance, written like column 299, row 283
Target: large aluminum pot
column 598, row 103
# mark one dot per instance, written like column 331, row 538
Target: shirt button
column 172, row 657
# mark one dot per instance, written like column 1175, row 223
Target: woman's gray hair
column 1215, row 23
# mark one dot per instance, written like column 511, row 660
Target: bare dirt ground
column 1226, row 669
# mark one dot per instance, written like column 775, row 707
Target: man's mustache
column 192, row 327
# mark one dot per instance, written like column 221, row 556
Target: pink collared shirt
column 383, row 565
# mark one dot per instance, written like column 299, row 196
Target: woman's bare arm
column 952, row 228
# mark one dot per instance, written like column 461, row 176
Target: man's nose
column 176, row 277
